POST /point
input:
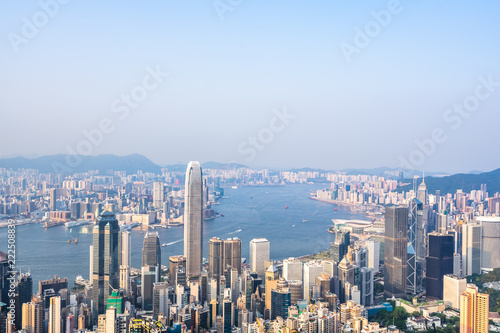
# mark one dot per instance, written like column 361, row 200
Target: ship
column 164, row 244
column 72, row 224
column 75, row 240
column 286, row 206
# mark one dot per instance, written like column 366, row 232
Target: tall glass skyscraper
column 151, row 268
column 193, row 220
column 395, row 253
column 105, row 261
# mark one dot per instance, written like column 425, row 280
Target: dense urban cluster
column 403, row 269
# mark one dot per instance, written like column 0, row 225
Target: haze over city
column 359, row 98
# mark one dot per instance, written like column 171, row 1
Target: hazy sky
column 360, row 81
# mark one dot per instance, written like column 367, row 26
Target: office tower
column 158, row 190
column 24, row 292
column 149, row 276
column 453, row 287
column 366, row 286
column 347, row 279
column 439, row 263
column 4, row 275
column 70, row 323
column 340, row 246
column 33, row 313
column 471, row 249
column 457, row 264
column 490, row 249
column 312, row 269
column 91, row 263
column 151, row 250
column 151, row 268
column 105, row 261
column 395, row 252
column 124, row 245
column 259, row 253
column 160, row 299
column 55, row 315
column 56, row 284
column 272, row 277
column 441, row 223
column 193, row 220
column 373, row 247
column 52, row 200
column 223, row 254
column 111, row 320
column 422, row 194
column 281, row 299
column 228, row 315
column 415, row 249
column 296, row 290
column 173, row 263
column 474, row 311
column 125, row 279
column 292, row 269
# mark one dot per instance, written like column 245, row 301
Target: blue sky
column 227, row 77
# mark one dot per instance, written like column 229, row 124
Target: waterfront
column 249, row 212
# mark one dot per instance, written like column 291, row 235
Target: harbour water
column 249, row 212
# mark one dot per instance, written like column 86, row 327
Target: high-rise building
column 373, row 247
column 158, row 189
column 125, row 248
column 416, row 246
column 474, row 311
column 105, row 261
column 151, row 268
column 259, row 253
column 441, row 223
column 340, row 246
column 56, row 284
column 193, row 220
column 173, row 263
column 55, row 315
column 490, row 245
column 24, row 292
column 453, row 287
column 53, row 199
column 280, row 301
column 439, row 263
column 471, row 249
column 312, row 269
column 292, row 269
column 33, row 314
column 395, row 251
column 223, row 254
column 160, row 299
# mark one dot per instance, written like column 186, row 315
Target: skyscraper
column 416, row 246
column 124, row 246
column 439, row 263
column 223, row 253
column 395, row 253
column 158, row 190
column 105, row 261
column 193, row 220
column 55, row 315
column 474, row 311
column 259, row 253
column 471, row 249
column 33, row 313
column 373, row 247
column 151, row 268
column 292, row 269
column 53, row 199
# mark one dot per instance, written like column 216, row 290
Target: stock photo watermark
column 255, row 143
column 372, row 29
column 11, row 257
column 31, row 26
column 453, row 117
column 122, row 107
column 222, row 7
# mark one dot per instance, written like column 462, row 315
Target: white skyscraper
column 125, row 252
column 158, row 190
column 55, row 315
column 471, row 249
column 312, row 269
column 259, row 253
column 292, row 269
column 193, row 220
column 373, row 247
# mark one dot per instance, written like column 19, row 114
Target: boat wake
column 234, row 232
column 175, row 242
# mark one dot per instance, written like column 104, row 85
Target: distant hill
column 222, row 166
column 465, row 182
column 63, row 163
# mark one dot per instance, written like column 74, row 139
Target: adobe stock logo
column 363, row 37
column 454, row 117
column 266, row 135
column 32, row 26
